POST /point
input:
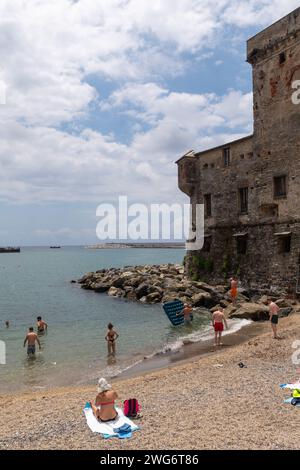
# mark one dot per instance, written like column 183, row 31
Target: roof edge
column 223, row 145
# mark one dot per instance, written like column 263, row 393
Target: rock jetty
column 151, row 284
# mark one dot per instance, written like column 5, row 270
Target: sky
column 99, row 98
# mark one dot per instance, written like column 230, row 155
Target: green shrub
column 199, row 266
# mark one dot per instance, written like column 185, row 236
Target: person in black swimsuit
column 111, row 337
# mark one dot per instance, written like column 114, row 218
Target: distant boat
column 55, row 247
column 10, row 249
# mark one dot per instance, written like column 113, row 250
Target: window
column 226, row 156
column 285, row 243
column 280, row 186
column 207, row 244
column 243, row 198
column 242, row 156
column 282, row 57
column 241, row 245
column 207, row 205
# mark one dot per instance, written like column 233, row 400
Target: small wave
column 115, row 370
column 205, row 334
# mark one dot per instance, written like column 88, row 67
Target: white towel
column 291, row 386
column 107, row 429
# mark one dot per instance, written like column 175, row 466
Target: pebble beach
column 208, row 402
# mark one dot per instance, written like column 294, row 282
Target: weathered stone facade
column 251, row 187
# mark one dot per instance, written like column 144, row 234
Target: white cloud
column 46, row 164
column 49, row 51
column 257, row 12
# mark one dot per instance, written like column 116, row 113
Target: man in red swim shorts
column 218, row 322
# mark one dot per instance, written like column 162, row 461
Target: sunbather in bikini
column 104, row 408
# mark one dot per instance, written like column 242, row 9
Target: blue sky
column 103, row 97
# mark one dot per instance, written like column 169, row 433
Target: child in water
column 111, row 337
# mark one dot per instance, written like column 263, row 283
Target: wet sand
column 192, row 351
column 202, row 402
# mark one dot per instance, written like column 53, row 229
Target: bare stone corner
column 251, row 187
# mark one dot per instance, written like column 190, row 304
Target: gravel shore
column 208, row 403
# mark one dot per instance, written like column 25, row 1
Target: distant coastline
column 101, row 246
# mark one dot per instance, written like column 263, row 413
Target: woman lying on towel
column 104, row 408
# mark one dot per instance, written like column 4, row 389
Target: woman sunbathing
column 104, row 408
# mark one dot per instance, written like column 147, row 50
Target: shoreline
column 248, row 398
column 191, row 351
column 188, row 353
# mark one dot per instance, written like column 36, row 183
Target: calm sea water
column 37, row 281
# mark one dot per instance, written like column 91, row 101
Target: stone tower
column 251, row 187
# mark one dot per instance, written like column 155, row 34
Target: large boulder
column 131, row 295
column 229, row 311
column 142, row 290
column 203, row 299
column 135, row 281
column 168, row 296
column 284, row 303
column 116, row 292
column 101, row 287
column 251, row 311
column 156, row 288
column 224, row 303
column 284, row 312
column 85, row 278
column 263, row 300
column 153, row 298
column 118, row 281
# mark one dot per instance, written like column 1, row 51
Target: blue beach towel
column 172, row 309
column 122, row 427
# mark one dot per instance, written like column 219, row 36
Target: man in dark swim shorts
column 273, row 314
column 31, row 338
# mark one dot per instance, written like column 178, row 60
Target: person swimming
column 41, row 325
column 111, row 337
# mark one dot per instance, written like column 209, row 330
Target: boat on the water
column 54, row 247
column 10, row 249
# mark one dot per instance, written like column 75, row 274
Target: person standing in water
column 111, row 337
column 186, row 312
column 7, row 324
column 41, row 325
column 31, row 339
column 273, row 315
column 218, row 322
column 233, row 290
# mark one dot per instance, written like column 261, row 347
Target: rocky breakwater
column 152, row 284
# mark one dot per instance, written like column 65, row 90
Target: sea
column 37, row 281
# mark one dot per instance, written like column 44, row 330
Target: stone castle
column 250, row 187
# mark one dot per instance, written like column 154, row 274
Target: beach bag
column 131, row 407
column 296, row 393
